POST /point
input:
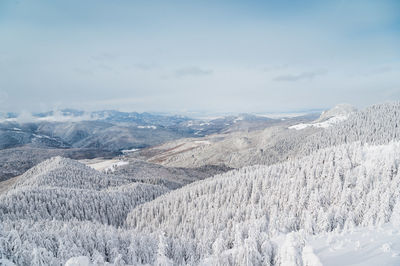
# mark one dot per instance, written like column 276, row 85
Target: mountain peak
column 340, row 110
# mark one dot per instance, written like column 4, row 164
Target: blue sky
column 215, row 56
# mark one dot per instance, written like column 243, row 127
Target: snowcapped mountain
column 26, row 140
column 114, row 130
column 328, row 118
column 233, row 149
column 376, row 124
column 316, row 196
column 340, row 110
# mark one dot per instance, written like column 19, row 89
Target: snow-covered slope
column 234, row 150
column 27, row 242
column 242, row 148
column 64, row 189
column 324, row 124
column 63, row 172
column 170, row 177
column 333, row 189
column 367, row 246
column 337, row 114
column 340, row 110
column 377, row 124
column 325, row 196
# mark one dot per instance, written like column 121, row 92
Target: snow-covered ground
column 325, row 124
column 361, row 246
column 358, row 247
column 129, row 151
column 104, row 165
column 78, row 261
column 5, row 262
column 337, row 114
column 205, row 142
column 336, row 203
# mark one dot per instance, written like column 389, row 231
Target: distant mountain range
column 28, row 139
column 268, row 145
column 114, row 130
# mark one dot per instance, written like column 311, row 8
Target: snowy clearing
column 106, row 165
column 325, row 124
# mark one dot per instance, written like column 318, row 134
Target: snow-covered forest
column 377, row 124
column 331, row 188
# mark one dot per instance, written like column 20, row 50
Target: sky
column 196, row 56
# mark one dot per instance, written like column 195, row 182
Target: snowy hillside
column 328, row 118
column 333, row 189
column 377, row 124
column 63, row 172
column 26, row 242
column 237, row 149
column 234, row 150
column 340, row 110
column 61, row 208
column 170, row 177
column 64, row 189
column 320, row 196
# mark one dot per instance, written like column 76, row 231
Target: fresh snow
column 368, row 246
column 335, row 200
column 337, row 114
column 78, row 261
column 105, row 165
column 5, row 262
column 325, row 124
column 113, row 167
column 129, row 151
column 333, row 189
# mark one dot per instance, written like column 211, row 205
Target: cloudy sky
column 215, row 56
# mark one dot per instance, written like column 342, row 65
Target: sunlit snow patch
column 325, row 124
column 362, row 246
column 78, row 261
column 129, row 151
column 106, row 165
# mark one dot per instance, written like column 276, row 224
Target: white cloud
column 297, row 77
column 192, row 71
